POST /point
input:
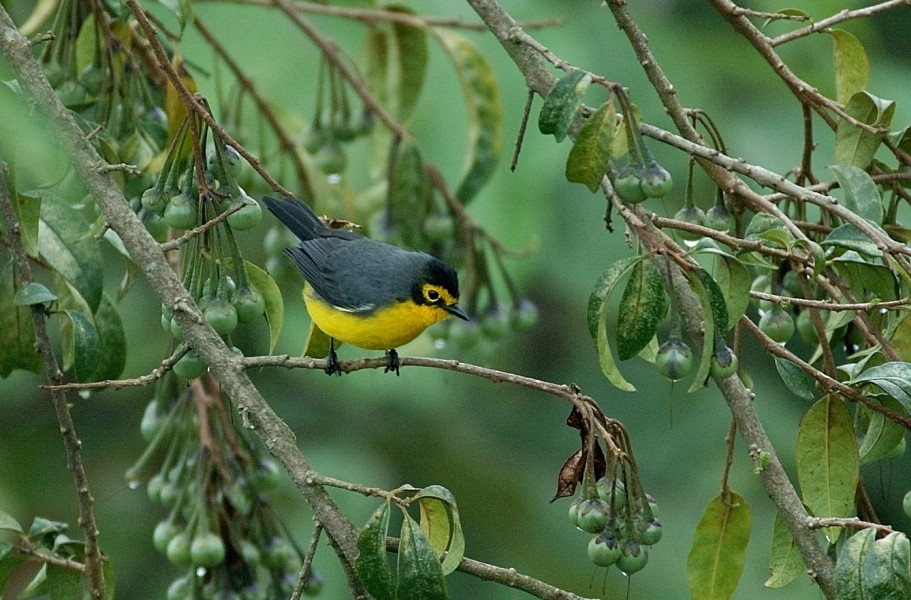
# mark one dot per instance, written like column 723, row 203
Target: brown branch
column 192, row 104
column 117, row 384
column 254, row 412
column 286, row 144
column 839, row 17
column 371, row 16
column 506, row 577
column 23, row 272
column 828, row 384
column 801, row 89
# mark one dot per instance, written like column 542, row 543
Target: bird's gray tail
column 297, row 216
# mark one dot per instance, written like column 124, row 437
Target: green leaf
column 33, row 293
column 855, row 146
column 886, row 574
column 275, row 306
column 86, row 45
column 894, row 378
column 407, row 65
column 851, row 66
column 590, row 155
column 180, row 9
column 785, row 561
column 562, row 103
column 642, row 307
column 409, row 192
column 709, row 330
column 63, row 583
column 882, row 434
column 9, row 562
column 861, row 194
column 110, row 581
column 371, row 564
column 17, row 333
column 82, row 344
column 8, row 523
column 734, row 280
column 63, row 243
column 42, row 527
column 828, row 466
column 867, row 280
column 597, row 315
column 715, row 562
column 420, row 576
column 440, row 522
column 112, row 343
column 28, row 210
column 873, row 569
column 797, row 381
column 485, row 114
column 849, row 237
column 769, row 229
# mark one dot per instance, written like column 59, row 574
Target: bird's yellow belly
column 384, row 329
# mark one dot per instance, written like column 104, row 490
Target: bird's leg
column 392, row 361
column 332, row 366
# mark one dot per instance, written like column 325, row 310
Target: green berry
column 692, row 215
column 656, row 182
column 180, row 213
column 613, row 492
column 628, row 185
column 719, row 218
column 674, row 359
column 178, row 550
column 207, row 550
column 163, row 534
column 724, row 363
column 221, row 315
column 190, row 365
column 633, row 557
column 248, row 303
column 777, row 324
column 153, row 201
column 652, row 533
column 906, row 504
column 249, row 216
column 603, row 550
column 180, row 588
column 593, row 514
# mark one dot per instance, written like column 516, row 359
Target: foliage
column 812, row 265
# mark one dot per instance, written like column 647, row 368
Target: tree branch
column 93, row 561
column 147, row 255
column 779, row 487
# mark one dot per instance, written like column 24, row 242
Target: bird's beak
column 456, row 311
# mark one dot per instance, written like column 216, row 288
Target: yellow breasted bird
column 364, row 292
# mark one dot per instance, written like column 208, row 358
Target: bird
column 364, row 292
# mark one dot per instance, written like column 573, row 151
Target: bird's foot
column 392, row 361
column 332, row 365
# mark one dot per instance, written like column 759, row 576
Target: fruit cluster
column 220, row 529
column 212, row 267
column 624, row 526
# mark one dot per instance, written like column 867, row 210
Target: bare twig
column 93, row 561
column 853, row 522
column 839, row 17
column 508, row 577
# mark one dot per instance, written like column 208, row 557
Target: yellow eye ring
column 432, row 295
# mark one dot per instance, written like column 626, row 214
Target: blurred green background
column 497, row 448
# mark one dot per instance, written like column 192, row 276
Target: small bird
column 364, row 292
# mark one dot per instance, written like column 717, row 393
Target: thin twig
column 840, row 17
column 854, row 522
column 71, row 442
column 508, row 577
column 117, row 384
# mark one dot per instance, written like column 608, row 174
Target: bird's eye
column 432, row 295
